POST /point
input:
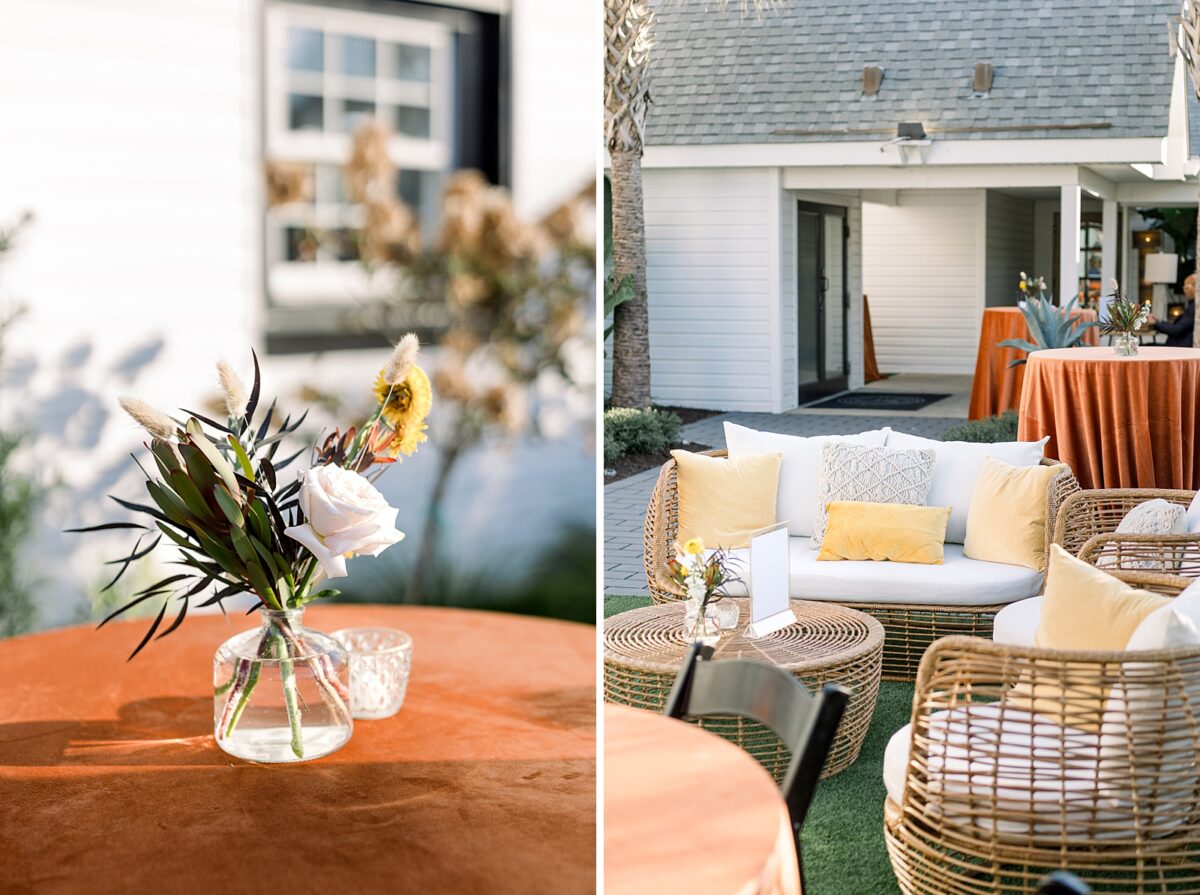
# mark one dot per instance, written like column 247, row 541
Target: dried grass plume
column 404, row 356
column 153, row 421
column 236, row 396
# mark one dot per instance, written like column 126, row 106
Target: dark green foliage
column 985, row 431
column 559, row 583
column 18, row 502
column 630, row 431
column 1179, row 224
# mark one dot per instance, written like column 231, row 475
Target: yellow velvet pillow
column 884, row 531
column 722, row 500
column 1087, row 609
column 1083, row 609
column 1007, row 519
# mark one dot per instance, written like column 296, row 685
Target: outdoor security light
column 910, row 130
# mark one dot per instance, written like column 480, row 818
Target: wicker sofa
column 984, row 796
column 909, row 601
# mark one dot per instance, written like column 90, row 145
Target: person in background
column 1179, row 330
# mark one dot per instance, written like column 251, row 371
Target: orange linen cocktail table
column 484, row 782
column 687, row 811
column 997, row 386
column 1120, row 422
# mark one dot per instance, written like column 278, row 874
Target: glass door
column 822, row 300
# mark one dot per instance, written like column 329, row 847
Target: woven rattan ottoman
column 829, row 643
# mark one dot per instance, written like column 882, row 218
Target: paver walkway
column 625, row 501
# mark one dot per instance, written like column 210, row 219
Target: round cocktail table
column 643, row 650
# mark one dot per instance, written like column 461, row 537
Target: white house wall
column 923, row 276
column 1010, row 246
column 712, row 279
column 133, row 137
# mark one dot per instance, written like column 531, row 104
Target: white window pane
column 412, row 121
column 411, row 63
column 306, row 50
column 305, row 112
column 358, row 56
column 299, row 245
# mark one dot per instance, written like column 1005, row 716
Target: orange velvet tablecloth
column 1120, row 422
column 686, row 811
column 484, row 782
column 997, row 387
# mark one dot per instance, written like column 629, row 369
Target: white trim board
column 867, row 154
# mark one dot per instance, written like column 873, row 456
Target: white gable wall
column 713, row 278
column 923, row 273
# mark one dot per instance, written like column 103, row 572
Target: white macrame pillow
column 871, row 474
column 1153, row 517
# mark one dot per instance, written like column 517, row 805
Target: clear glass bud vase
column 282, row 692
column 1126, row 344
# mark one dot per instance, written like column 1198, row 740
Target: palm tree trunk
column 631, row 320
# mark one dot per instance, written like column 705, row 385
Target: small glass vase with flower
column 702, row 579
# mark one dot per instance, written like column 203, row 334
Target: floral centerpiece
column 702, row 580
column 1050, row 326
column 1123, row 320
column 240, row 526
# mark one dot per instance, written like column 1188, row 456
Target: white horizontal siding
column 921, row 273
column 709, row 243
column 1010, row 246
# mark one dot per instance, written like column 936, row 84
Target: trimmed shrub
column 985, row 431
column 629, row 431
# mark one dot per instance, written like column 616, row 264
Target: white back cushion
column 800, row 470
column 957, row 467
column 1176, row 624
column 1193, row 514
column 1151, row 517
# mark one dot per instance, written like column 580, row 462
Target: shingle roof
column 722, row 75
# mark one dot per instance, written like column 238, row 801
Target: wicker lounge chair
column 1087, row 523
column 909, row 628
column 984, row 796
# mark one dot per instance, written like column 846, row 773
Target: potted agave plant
column 240, row 525
column 1049, row 325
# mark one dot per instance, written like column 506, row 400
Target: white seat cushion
column 1017, row 623
column 979, row 770
column 957, row 467
column 959, row 581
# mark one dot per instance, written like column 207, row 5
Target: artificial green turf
column 843, row 835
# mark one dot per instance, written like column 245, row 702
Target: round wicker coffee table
column 644, row 648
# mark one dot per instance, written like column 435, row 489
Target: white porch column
column 1068, row 243
column 1113, row 241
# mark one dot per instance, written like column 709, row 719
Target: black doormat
column 878, row 400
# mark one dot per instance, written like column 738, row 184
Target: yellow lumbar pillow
column 884, row 531
column 722, row 500
column 1087, row 609
column 1007, row 519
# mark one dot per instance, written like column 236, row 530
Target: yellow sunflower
column 404, row 409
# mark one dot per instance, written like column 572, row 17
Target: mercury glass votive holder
column 380, row 662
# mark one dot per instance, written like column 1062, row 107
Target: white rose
column 346, row 516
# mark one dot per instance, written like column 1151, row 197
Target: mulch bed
column 632, row 464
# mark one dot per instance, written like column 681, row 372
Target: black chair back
column 807, row 724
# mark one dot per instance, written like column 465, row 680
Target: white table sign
column 770, row 570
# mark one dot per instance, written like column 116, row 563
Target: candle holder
column 380, row 662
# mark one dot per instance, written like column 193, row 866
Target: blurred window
column 432, row 75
